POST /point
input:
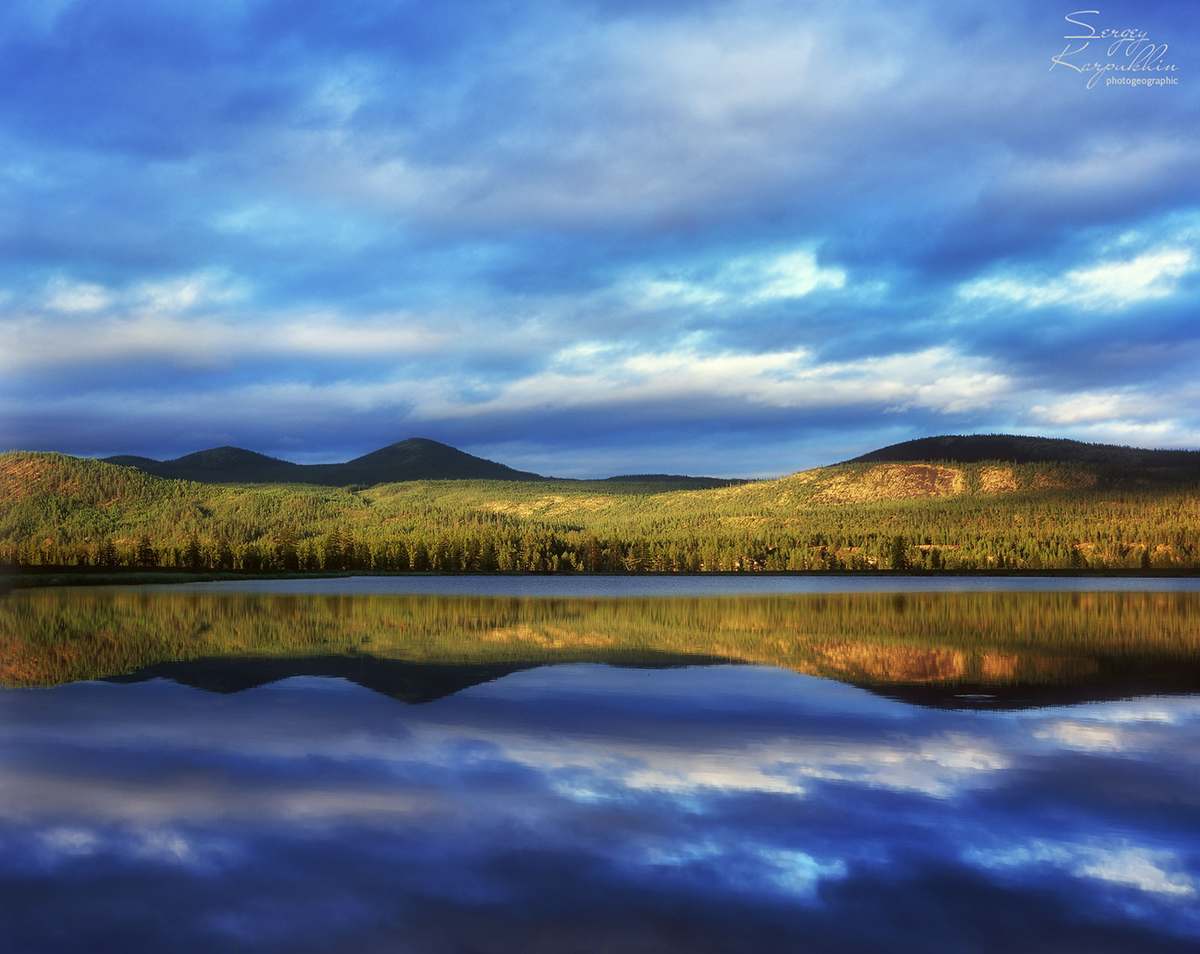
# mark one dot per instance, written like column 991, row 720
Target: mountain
column 220, row 465
column 976, row 448
column 418, row 459
column 413, row 459
column 421, row 459
column 1134, row 510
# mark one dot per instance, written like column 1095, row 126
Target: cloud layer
column 727, row 237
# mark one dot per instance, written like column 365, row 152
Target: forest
column 65, row 512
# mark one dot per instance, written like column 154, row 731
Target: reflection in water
column 1022, row 648
column 527, row 807
column 590, row 808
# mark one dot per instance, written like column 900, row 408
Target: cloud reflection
column 701, row 809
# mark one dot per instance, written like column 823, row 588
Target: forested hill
column 934, row 515
column 413, row 459
column 421, row 459
column 976, row 448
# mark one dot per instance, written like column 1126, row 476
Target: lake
column 448, row 764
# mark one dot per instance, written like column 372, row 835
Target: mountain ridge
column 418, row 458
column 1021, row 449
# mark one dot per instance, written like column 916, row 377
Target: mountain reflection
column 590, row 808
column 953, row 649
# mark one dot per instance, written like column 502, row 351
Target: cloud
column 1105, row 284
column 445, row 203
column 76, row 296
column 937, row 379
column 157, row 328
column 1093, row 407
column 742, row 281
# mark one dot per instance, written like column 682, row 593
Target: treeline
column 64, row 512
column 507, row 549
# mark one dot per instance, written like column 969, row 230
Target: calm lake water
column 456, row 764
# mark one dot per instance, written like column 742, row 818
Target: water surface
column 946, row 771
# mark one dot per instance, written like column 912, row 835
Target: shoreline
column 47, row 577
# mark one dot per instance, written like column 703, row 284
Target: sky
column 596, row 237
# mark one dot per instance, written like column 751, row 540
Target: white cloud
column 1092, row 406
column 205, row 288
column 658, row 293
column 185, row 293
column 1110, row 283
column 66, row 296
column 795, row 275
column 741, row 281
column 155, row 330
column 1165, row 432
column 937, row 379
column 1151, row 275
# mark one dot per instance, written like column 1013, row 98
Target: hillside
column 932, row 515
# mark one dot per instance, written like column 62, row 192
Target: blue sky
column 595, row 237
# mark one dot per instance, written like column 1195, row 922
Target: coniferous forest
column 85, row 515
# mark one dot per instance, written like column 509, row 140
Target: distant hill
column 976, row 448
column 421, row 459
column 412, row 459
column 220, row 465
